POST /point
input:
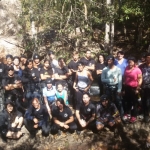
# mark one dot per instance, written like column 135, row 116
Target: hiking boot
column 133, row 119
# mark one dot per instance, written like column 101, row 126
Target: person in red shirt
column 132, row 82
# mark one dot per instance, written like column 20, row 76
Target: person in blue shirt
column 121, row 62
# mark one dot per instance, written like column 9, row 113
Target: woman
column 63, row 118
column 13, row 121
column 46, row 72
column 17, row 67
column 132, row 82
column 62, row 93
column 82, row 83
column 99, row 67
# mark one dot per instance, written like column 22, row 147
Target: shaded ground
column 131, row 137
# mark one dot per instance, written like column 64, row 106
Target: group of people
column 40, row 95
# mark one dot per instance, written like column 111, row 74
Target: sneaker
column 126, row 117
column 78, row 132
column 133, row 119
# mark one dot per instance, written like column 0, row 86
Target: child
column 62, row 93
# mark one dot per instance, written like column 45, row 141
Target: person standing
column 132, row 84
column 112, row 78
column 121, row 62
column 145, row 68
column 100, row 65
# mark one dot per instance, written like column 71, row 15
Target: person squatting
column 43, row 95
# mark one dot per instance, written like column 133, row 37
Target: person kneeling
column 85, row 114
column 63, row 118
column 12, row 121
column 36, row 117
column 106, row 114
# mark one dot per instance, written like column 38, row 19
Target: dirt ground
column 131, row 137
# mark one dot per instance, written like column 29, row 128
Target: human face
column 75, row 57
column 80, row 67
column 120, row 56
column 30, row 65
column 86, row 99
column 51, row 56
column 46, row 64
column 9, row 61
column 131, row 63
column 16, row 61
column 10, row 72
column 23, row 60
column 49, row 86
column 110, row 62
column 59, row 105
column 61, row 63
column 88, row 54
column 36, row 61
column 35, row 104
column 9, row 108
column 105, row 102
column 148, row 59
column 101, row 58
column 59, row 87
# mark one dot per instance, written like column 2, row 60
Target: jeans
column 115, row 98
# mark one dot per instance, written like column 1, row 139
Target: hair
column 61, row 58
column 35, row 99
column 132, row 58
column 46, row 60
column 148, row 54
column 16, row 57
column 86, row 94
column 75, row 53
column 59, row 84
column 61, row 100
column 100, row 55
column 28, row 61
column 87, row 50
column 120, row 52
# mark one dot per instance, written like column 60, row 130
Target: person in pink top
column 132, row 83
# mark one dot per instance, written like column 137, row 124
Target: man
column 88, row 62
column 73, row 67
column 36, row 117
column 145, row 68
column 106, row 113
column 36, row 62
column 85, row 114
column 112, row 78
column 121, row 62
column 54, row 62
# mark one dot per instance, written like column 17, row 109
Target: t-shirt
column 146, row 75
column 46, row 72
column 108, row 76
column 122, row 66
column 86, row 112
column 73, row 65
column 87, row 62
column 40, row 114
column 50, row 94
column 64, row 115
column 131, row 76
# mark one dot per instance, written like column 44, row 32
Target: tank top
column 61, row 95
column 83, row 81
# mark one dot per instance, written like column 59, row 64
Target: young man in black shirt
column 36, row 117
column 85, row 114
column 13, row 88
column 63, row 118
column 88, row 62
column 73, row 67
